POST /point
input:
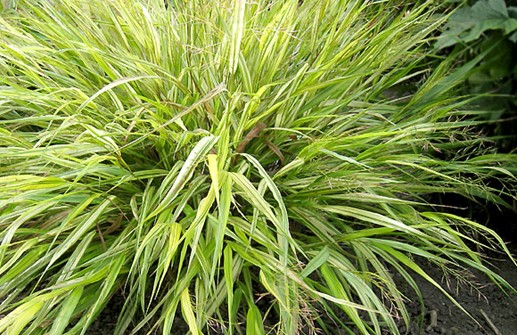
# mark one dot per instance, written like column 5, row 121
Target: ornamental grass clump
column 243, row 165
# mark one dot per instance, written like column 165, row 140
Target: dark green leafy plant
column 489, row 28
column 468, row 23
column 204, row 157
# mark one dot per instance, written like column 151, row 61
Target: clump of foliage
column 202, row 157
column 488, row 29
column 468, row 23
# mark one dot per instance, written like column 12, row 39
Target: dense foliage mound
column 247, row 165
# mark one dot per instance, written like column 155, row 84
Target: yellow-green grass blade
column 67, row 310
column 186, row 172
column 188, row 312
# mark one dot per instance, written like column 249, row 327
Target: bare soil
column 492, row 311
